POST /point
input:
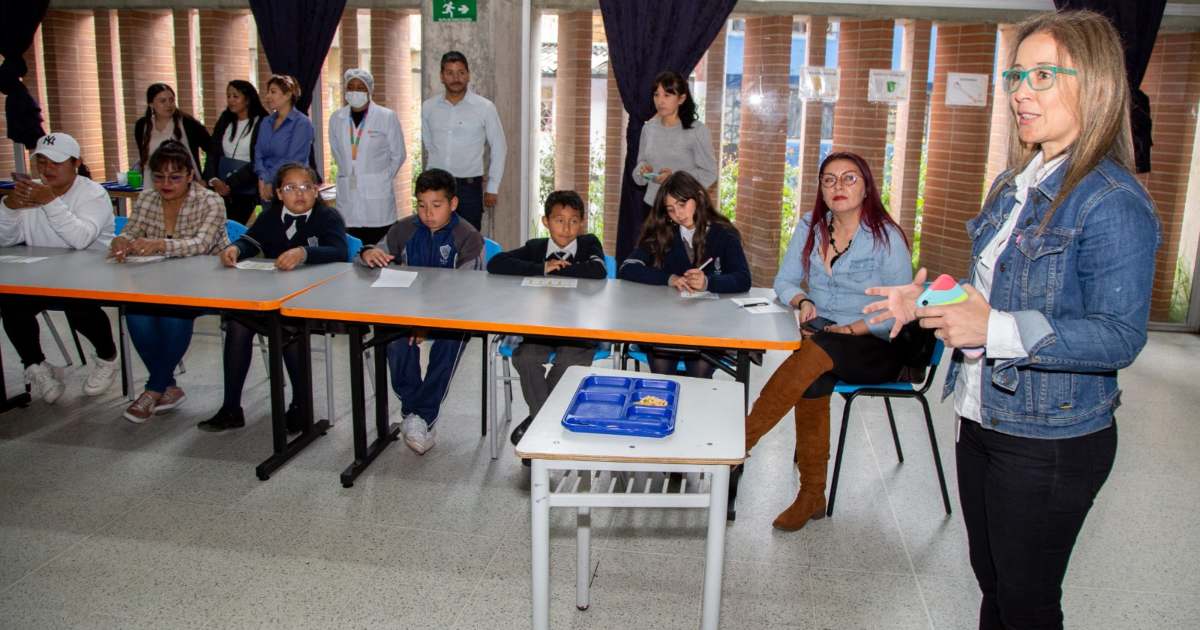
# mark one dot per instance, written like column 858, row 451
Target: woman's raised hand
column 900, row 302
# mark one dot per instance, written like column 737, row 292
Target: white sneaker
column 417, row 435
column 46, row 381
column 101, row 376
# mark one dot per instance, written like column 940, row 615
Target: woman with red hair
column 846, row 244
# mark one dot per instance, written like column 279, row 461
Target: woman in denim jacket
column 846, row 244
column 1062, row 269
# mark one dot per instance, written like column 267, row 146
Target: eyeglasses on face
column 848, row 180
column 1040, row 78
column 298, row 189
column 174, row 178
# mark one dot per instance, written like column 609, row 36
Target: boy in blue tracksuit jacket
column 434, row 237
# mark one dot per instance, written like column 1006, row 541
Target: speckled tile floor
column 104, row 524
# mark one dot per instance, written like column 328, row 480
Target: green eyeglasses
column 1039, row 78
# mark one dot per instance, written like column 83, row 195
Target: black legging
column 20, row 322
column 666, row 361
column 239, row 349
column 857, row 359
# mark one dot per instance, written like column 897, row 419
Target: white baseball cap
column 57, row 147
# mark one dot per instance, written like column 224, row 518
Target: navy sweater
column 530, row 259
column 323, row 236
column 727, row 273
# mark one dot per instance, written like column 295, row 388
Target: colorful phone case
column 944, row 291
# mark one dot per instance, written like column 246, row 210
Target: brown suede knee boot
column 784, row 390
column 812, row 460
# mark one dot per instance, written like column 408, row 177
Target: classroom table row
column 340, row 296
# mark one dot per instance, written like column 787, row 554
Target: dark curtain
column 296, row 35
column 1137, row 22
column 645, row 38
column 19, row 20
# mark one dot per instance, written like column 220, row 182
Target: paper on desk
column 758, row 306
column 554, row 283
column 698, row 295
column 256, row 265
column 137, row 260
column 394, row 279
column 24, row 260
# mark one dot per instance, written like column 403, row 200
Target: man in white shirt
column 66, row 210
column 455, row 126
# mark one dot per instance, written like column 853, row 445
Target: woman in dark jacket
column 230, row 167
column 163, row 121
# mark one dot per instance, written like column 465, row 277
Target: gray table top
column 195, row 281
column 614, row 310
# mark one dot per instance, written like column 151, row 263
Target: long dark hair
column 176, row 119
column 874, row 216
column 673, row 83
column 658, row 232
column 254, row 108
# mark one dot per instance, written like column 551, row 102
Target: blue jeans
column 424, row 396
column 161, row 341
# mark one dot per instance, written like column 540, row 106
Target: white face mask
column 357, row 99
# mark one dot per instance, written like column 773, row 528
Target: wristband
column 801, row 304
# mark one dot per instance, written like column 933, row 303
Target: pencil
column 701, row 267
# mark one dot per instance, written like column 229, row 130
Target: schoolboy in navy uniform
column 565, row 253
column 434, row 237
column 298, row 229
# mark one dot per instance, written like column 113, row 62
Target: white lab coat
column 365, row 197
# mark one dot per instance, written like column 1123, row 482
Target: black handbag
column 225, row 170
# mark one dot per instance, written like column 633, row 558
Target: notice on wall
column 966, row 90
column 819, row 83
column 887, row 86
column 454, row 11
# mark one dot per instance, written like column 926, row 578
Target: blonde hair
column 286, row 83
column 1101, row 103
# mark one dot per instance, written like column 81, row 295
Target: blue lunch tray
column 608, row 405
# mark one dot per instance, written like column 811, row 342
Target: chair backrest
column 934, row 360
column 490, row 248
column 234, row 230
column 353, row 246
column 610, row 266
column 119, row 224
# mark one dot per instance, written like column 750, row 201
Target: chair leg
column 62, row 349
column 887, row 403
column 328, row 377
column 78, row 346
column 493, row 354
column 837, row 462
column 508, row 393
column 937, row 457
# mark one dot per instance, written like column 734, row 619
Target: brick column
column 1173, row 84
column 264, row 66
column 69, row 38
column 958, row 140
column 910, row 125
column 572, row 102
column 763, row 145
column 614, row 161
column 391, row 65
column 349, row 43
column 145, row 39
column 714, row 98
column 810, row 140
column 224, row 56
column 112, row 102
column 1001, row 109
column 858, row 125
column 186, row 92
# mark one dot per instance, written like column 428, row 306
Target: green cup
column 135, row 179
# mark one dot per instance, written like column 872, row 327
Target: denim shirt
column 842, row 296
column 292, row 142
column 1080, row 293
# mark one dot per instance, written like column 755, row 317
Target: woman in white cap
column 68, row 210
column 368, row 146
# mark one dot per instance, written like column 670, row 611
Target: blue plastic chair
column 353, row 246
column 610, row 266
column 490, row 248
column 887, row 391
column 234, row 230
column 119, row 225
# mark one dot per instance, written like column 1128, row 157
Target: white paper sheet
column 394, row 279
column 137, row 260
column 553, row 283
column 758, row 305
column 698, row 295
column 256, row 265
column 22, row 260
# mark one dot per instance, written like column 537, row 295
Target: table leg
column 126, row 356
column 714, row 549
column 483, row 413
column 583, row 557
column 735, row 477
column 284, row 450
column 386, row 433
column 539, row 501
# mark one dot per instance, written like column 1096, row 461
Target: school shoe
column 224, row 419
column 419, row 437
column 101, row 375
column 170, row 399
column 519, row 431
column 143, row 408
column 45, row 381
column 294, row 418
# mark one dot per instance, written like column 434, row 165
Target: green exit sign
column 454, row 11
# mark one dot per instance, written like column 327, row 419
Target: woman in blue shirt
column 1062, row 268
column 286, row 136
column 848, row 243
